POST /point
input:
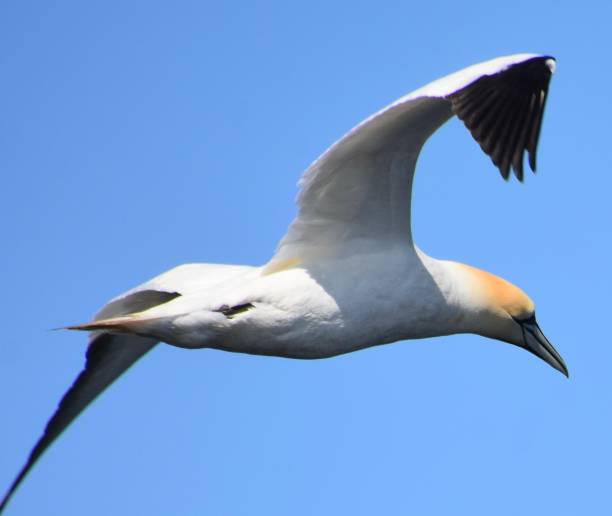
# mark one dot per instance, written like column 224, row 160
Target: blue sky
column 137, row 136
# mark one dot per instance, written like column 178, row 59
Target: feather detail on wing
column 359, row 190
column 504, row 112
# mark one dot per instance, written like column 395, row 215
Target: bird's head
column 502, row 311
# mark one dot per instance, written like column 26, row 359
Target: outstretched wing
column 360, row 188
column 108, row 356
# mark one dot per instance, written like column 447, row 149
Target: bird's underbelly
column 310, row 335
column 313, row 314
column 297, row 341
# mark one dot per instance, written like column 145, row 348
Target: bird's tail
column 124, row 324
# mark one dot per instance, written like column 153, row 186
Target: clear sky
column 139, row 135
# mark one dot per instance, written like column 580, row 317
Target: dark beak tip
column 537, row 343
column 559, row 365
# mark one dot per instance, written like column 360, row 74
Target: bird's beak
column 536, row 342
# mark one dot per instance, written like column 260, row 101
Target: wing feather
column 359, row 190
column 108, row 357
column 515, row 87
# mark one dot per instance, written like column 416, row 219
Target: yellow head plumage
column 501, row 294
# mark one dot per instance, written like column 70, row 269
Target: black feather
column 499, row 112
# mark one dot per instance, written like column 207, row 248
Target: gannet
column 347, row 274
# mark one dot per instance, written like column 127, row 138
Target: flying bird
column 347, row 275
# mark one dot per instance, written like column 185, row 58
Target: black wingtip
column 22, row 474
column 509, row 126
column 108, row 356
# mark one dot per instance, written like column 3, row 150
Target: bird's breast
column 326, row 311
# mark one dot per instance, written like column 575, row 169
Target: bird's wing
column 181, row 280
column 359, row 190
column 109, row 356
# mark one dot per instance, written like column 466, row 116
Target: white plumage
column 346, row 275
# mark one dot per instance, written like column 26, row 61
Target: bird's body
column 347, row 275
column 311, row 310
